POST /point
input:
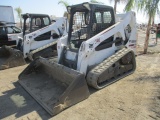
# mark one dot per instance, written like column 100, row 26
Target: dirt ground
column 136, row 97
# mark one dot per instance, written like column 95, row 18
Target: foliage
column 116, row 2
column 95, row 1
column 19, row 12
column 149, row 8
column 64, row 3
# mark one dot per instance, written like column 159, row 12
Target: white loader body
column 88, row 56
column 35, row 39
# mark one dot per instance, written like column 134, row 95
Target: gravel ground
column 136, row 97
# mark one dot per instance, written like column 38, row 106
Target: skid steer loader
column 98, row 50
column 12, row 36
column 39, row 39
column 43, row 41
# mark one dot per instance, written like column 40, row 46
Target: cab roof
column 92, row 6
column 4, row 23
column 29, row 15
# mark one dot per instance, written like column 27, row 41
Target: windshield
column 13, row 29
column 46, row 21
column 36, row 23
column 17, row 30
column 79, row 28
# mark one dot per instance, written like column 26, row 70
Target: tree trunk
column 115, row 6
column 147, row 35
column 20, row 23
column 153, row 21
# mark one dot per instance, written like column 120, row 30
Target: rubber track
column 30, row 55
column 93, row 75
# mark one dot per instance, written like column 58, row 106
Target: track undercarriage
column 112, row 69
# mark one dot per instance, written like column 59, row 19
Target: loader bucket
column 54, row 86
column 10, row 57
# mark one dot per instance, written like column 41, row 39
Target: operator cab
column 33, row 22
column 86, row 21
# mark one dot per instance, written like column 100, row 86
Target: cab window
column 13, row 29
column 46, row 21
column 98, row 17
column 107, row 18
column 10, row 30
column 17, row 30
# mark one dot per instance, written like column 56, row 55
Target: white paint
column 6, row 14
column 88, row 56
column 30, row 44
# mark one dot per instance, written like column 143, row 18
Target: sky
column 51, row 7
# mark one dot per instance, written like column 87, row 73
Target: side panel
column 131, row 44
column 89, row 56
column 14, row 37
column 51, row 33
column 61, row 42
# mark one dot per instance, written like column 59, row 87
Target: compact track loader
column 39, row 39
column 99, row 49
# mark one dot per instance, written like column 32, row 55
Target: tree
column 130, row 5
column 65, row 4
column 149, row 7
column 19, row 12
column 153, row 20
column 95, row 1
column 116, row 2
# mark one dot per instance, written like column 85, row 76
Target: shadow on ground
column 155, row 104
column 146, row 78
column 17, row 101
